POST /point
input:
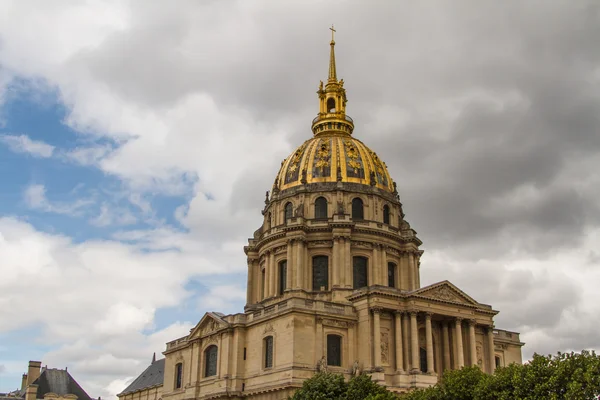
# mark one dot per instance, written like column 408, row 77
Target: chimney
column 31, row 392
column 33, row 372
column 24, row 382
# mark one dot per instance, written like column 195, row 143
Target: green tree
column 322, row 386
column 362, row 386
column 333, row 387
column 566, row 376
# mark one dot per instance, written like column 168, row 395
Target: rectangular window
column 178, row 375
column 244, row 354
column 282, row 276
column 391, row 275
column 268, row 351
column 320, row 273
column 334, row 350
column 360, row 272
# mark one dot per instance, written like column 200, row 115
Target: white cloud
column 35, row 198
column 222, row 298
column 113, row 216
column 23, row 144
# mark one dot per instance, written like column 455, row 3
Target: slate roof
column 152, row 376
column 59, row 381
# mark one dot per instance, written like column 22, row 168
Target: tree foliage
column 333, row 387
column 568, row 376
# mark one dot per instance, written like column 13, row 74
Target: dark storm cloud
column 487, row 116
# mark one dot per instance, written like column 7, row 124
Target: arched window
column 360, row 266
column 423, row 359
column 289, row 211
column 268, row 346
column 334, row 350
column 386, row 214
column 178, row 375
column 331, row 104
column 391, row 274
column 321, row 208
column 357, row 208
column 210, row 361
column 320, row 272
column 282, row 276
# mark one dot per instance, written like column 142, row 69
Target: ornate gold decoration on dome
column 378, row 163
column 323, row 154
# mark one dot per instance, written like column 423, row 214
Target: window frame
column 266, row 357
column 394, row 268
column 355, row 283
column 207, row 360
column 178, row 384
column 288, row 211
column 340, row 343
column 386, row 214
column 325, row 274
column 355, row 212
column 324, row 212
column 283, row 271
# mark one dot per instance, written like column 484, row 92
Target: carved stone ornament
column 385, row 347
column 280, row 249
column 479, row 349
column 336, row 323
column 269, row 328
column 210, row 326
column 356, row 243
column 320, row 243
column 444, row 293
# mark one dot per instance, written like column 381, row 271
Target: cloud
column 35, row 198
column 23, row 144
column 486, row 117
column 222, row 298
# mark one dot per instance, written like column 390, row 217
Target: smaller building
column 47, row 384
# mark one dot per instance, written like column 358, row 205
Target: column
column 249, row 283
column 348, row 261
column 405, row 336
column 298, row 266
column 429, row 344
column 289, row 263
column 335, row 263
column 319, row 340
column 273, row 274
column 460, row 358
column 490, row 340
column 414, row 341
column 267, row 290
column 411, row 271
column 376, row 337
column 473, row 348
column 417, row 272
column 446, row 347
column 398, row 332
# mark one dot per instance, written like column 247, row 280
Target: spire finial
column 332, row 72
column 153, row 358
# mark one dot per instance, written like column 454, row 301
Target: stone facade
column 333, row 283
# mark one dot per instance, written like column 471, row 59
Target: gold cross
column 332, row 31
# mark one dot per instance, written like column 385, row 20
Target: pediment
column 209, row 324
column 445, row 291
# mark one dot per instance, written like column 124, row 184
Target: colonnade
column 295, row 251
column 407, row 347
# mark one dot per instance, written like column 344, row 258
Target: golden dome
column 333, row 155
column 333, row 158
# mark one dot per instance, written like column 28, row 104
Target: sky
column 137, row 140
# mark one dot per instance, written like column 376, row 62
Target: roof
column 59, row 381
column 333, row 158
column 152, row 376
